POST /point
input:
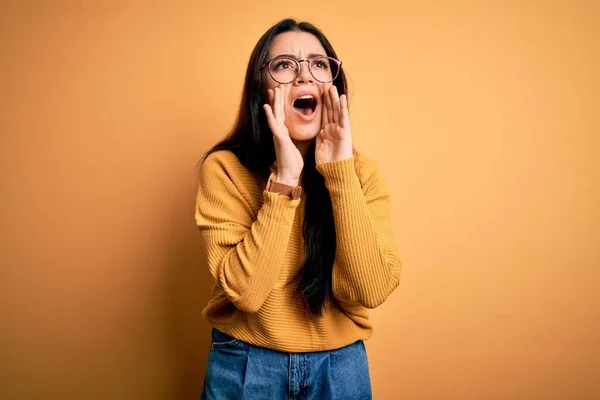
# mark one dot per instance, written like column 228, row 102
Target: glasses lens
column 283, row 69
column 324, row 69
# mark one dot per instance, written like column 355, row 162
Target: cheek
column 267, row 80
column 321, row 88
column 267, row 83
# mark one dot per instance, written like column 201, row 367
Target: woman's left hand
column 334, row 142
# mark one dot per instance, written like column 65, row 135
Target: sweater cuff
column 338, row 174
column 279, row 201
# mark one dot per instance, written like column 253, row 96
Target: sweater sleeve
column 367, row 267
column 245, row 250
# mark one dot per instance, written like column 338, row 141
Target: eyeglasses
column 284, row 69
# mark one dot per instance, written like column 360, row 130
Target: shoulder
column 221, row 173
column 363, row 163
column 220, row 160
column 223, row 189
column 222, row 164
column 219, row 169
column 366, row 168
column 371, row 180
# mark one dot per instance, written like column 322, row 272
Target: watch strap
column 293, row 192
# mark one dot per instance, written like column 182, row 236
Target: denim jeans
column 237, row 370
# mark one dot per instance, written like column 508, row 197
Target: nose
column 304, row 75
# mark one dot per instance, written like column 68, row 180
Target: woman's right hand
column 289, row 159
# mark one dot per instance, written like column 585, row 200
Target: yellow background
column 482, row 114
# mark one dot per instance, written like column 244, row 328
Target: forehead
column 297, row 43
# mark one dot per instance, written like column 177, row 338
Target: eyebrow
column 311, row 55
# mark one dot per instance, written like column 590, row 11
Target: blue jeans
column 240, row 371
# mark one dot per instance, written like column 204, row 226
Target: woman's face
column 303, row 124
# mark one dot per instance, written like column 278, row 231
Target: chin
column 304, row 133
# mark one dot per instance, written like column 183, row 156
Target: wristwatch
column 292, row 192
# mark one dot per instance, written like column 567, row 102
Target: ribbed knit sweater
column 255, row 248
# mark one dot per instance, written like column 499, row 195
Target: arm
column 367, row 267
column 245, row 251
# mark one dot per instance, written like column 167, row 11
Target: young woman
column 297, row 231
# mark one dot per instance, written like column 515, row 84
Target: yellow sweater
column 255, row 247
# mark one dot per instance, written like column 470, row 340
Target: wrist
column 287, row 189
column 344, row 151
column 341, row 156
column 286, row 180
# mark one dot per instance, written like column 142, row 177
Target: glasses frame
column 309, row 61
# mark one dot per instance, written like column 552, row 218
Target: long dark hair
column 251, row 141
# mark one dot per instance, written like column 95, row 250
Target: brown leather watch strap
column 293, row 192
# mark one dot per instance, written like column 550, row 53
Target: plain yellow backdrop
column 483, row 116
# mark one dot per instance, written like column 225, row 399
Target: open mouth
column 305, row 104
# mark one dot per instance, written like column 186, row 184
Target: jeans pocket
column 221, row 340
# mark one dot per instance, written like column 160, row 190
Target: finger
column 345, row 117
column 335, row 99
column 319, row 139
column 327, row 99
column 321, row 147
column 282, row 98
column 324, row 117
column 271, row 95
column 277, row 104
column 270, row 117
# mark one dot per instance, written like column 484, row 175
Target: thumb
column 320, row 139
column 321, row 145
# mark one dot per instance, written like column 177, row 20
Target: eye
column 321, row 63
column 282, row 64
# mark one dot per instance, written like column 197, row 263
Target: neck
column 303, row 147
